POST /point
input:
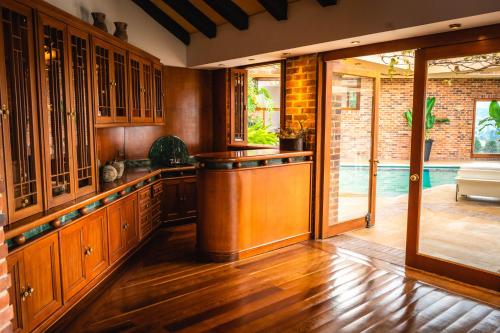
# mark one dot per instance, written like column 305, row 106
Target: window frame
column 473, row 137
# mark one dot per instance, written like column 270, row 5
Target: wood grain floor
column 306, row 287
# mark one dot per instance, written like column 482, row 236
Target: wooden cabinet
column 180, row 198
column 156, row 204
column 19, row 111
column 35, row 290
column 110, row 83
column 123, row 232
column 145, row 215
column 141, row 89
column 159, row 95
column 84, row 253
column 66, row 115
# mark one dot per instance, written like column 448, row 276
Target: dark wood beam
column 277, row 8
column 194, row 16
column 231, row 12
column 159, row 16
column 326, row 3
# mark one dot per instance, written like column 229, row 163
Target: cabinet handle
column 4, row 112
column 88, row 251
column 25, row 202
column 26, row 292
column 125, row 226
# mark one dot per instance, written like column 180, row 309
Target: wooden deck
column 312, row 286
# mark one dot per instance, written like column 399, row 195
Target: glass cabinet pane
column 81, row 107
column 135, row 77
column 119, row 86
column 20, row 122
column 54, row 83
column 158, row 93
column 103, row 82
column 147, row 91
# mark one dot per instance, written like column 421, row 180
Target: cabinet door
column 19, row 111
column 159, row 113
column 172, row 208
column 81, row 111
column 103, row 81
column 96, row 245
column 116, row 235
column 189, row 197
column 15, row 266
column 73, row 270
column 135, row 91
column 56, row 114
column 147, row 90
column 130, row 221
column 42, row 279
column 119, row 89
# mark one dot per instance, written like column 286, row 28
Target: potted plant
column 292, row 139
column 430, row 120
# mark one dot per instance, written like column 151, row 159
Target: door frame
column 415, row 259
column 341, row 227
column 320, row 206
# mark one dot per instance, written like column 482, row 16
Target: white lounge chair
column 478, row 179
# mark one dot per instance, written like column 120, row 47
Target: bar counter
column 252, row 201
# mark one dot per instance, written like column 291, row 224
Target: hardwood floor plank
column 311, row 286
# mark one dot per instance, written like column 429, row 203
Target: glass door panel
column 351, row 137
column 454, row 209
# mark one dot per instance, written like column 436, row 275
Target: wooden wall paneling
column 19, row 112
column 81, row 109
column 109, row 142
column 221, row 116
column 56, row 112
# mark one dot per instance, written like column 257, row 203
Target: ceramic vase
column 109, row 173
column 120, row 168
column 121, row 31
column 99, row 21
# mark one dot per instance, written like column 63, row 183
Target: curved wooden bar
column 253, row 208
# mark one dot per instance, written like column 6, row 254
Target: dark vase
column 99, row 21
column 295, row 144
column 428, row 148
column 121, row 31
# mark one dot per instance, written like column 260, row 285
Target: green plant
column 490, row 147
column 493, row 119
column 258, row 97
column 430, row 118
column 260, row 134
column 291, row 133
column 477, row 145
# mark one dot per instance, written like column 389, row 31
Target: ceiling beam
column 231, row 12
column 194, row 16
column 164, row 20
column 277, row 8
column 326, row 3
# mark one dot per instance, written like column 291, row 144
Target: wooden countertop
column 129, row 178
column 249, row 155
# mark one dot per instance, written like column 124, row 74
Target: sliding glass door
column 454, row 202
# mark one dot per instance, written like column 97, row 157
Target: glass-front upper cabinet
column 19, row 111
column 158, row 104
column 110, row 83
column 81, row 110
column 57, row 115
column 141, row 89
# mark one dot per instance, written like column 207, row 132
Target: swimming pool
column 392, row 180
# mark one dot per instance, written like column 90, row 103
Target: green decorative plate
column 168, row 151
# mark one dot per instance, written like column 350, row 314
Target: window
column 348, row 92
column 486, row 135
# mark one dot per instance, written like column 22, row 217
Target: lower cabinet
column 35, row 290
column 84, row 252
column 123, row 231
column 179, row 198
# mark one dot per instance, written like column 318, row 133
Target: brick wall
column 451, row 141
column 300, row 85
column 6, row 311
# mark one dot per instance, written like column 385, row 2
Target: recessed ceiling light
column 251, row 59
column 355, row 42
column 455, row 26
column 220, row 65
column 286, row 54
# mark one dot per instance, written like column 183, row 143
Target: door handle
column 414, row 178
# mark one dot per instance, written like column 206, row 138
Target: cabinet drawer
column 145, row 207
column 144, row 194
column 157, row 189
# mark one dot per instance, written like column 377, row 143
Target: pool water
column 392, row 181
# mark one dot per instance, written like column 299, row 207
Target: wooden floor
column 310, row 286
